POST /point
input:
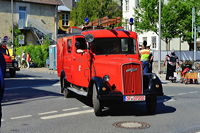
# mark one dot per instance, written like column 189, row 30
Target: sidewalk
column 47, row 70
column 40, row 70
column 161, row 76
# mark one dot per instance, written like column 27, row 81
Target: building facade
column 35, row 18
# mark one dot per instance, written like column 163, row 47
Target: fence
column 182, row 55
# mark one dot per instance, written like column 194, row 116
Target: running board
column 80, row 92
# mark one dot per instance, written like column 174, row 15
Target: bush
column 38, row 53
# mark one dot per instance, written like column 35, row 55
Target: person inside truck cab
column 80, row 45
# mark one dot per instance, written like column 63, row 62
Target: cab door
column 67, row 58
column 81, row 62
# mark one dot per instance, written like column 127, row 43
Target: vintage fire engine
column 104, row 65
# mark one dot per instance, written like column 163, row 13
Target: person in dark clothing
column 2, row 73
column 171, row 61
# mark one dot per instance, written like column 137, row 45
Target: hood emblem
column 131, row 70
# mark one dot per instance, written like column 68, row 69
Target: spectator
column 150, row 59
column 23, row 59
column 28, row 59
column 171, row 61
column 144, row 57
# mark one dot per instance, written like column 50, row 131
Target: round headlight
column 153, row 76
column 106, row 78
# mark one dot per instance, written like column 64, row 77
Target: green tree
column 146, row 16
column 16, row 34
column 176, row 18
column 94, row 9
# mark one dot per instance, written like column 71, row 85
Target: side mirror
column 89, row 38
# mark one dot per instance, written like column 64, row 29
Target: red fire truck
column 11, row 64
column 104, row 65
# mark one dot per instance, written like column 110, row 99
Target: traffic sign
column 131, row 21
column 21, row 39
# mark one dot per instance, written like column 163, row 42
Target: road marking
column 50, row 112
column 193, row 92
column 20, row 117
column 2, row 120
column 85, row 107
column 70, row 109
column 166, row 100
column 179, row 94
column 66, row 114
column 56, row 84
column 171, row 100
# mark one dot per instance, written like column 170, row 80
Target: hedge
column 38, row 53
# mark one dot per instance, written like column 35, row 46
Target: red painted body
column 11, row 64
column 80, row 68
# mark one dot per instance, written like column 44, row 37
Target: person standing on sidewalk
column 171, row 61
column 144, row 57
column 23, row 59
column 150, row 59
column 28, row 60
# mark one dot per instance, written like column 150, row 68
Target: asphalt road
column 33, row 104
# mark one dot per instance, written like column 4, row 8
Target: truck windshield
column 102, row 46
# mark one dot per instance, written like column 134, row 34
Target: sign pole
column 159, row 39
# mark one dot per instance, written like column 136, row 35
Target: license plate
column 134, row 98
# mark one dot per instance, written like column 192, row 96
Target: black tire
column 12, row 73
column 97, row 105
column 151, row 103
column 64, row 90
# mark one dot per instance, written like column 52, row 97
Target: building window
column 65, row 19
column 153, row 42
column 127, row 5
column 144, row 39
column 22, row 12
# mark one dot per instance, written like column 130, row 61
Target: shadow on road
column 133, row 109
column 22, row 90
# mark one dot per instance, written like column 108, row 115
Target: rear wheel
column 97, row 105
column 64, row 90
column 151, row 103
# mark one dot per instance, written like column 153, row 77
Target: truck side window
column 69, row 46
column 81, row 43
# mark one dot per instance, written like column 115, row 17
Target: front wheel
column 151, row 103
column 97, row 105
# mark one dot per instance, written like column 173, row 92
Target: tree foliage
column 38, row 53
column 176, row 18
column 93, row 9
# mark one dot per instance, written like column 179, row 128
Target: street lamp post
column 194, row 32
column 12, row 26
column 159, row 39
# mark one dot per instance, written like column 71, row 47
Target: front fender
column 100, row 83
column 152, row 85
